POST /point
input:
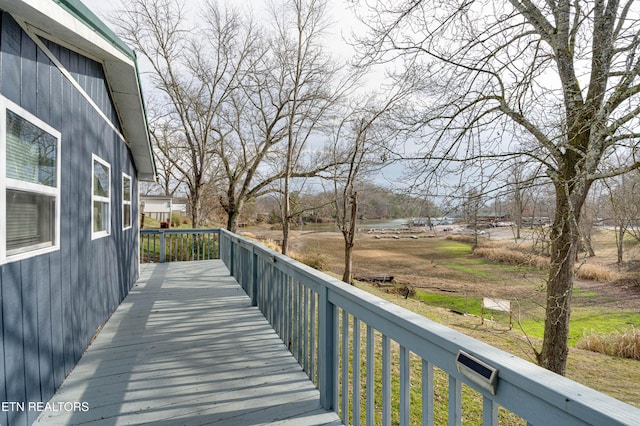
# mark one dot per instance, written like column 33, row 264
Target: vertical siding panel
column 3, row 384
column 13, row 340
column 57, row 321
column 30, row 295
column 11, row 78
column 58, row 276
column 3, row 374
column 69, row 223
column 43, row 72
column 29, row 82
column 80, row 234
column 45, row 347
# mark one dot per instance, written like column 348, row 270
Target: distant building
column 157, row 207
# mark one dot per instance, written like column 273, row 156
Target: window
column 101, row 198
column 30, row 184
column 126, row 201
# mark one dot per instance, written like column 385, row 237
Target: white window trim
column 7, row 183
column 126, row 226
column 94, row 198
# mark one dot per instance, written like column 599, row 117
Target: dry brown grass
column 594, row 272
column 315, row 260
column 623, row 344
column 516, row 254
column 512, row 255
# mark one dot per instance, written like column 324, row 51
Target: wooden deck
column 186, row 347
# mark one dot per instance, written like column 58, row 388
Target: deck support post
column 326, row 369
column 163, row 247
column 254, row 277
column 232, row 251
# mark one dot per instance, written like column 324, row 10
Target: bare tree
column 358, row 145
column 195, row 69
column 564, row 72
column 623, row 204
column 310, row 80
column 259, row 121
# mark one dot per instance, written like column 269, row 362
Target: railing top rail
column 524, row 388
column 180, row 231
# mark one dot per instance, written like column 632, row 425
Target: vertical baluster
column 336, row 357
column 427, row 393
column 489, row 412
column 386, row 381
column 355, row 368
column 455, row 402
column 405, row 386
column 272, row 287
column 370, row 354
column 305, row 331
column 277, row 310
column 312, row 344
column 254, row 277
column 264, row 285
column 300, row 322
column 292, row 314
column 286, row 312
column 345, row 366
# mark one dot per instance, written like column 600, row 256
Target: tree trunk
column 558, row 310
column 564, row 243
column 233, row 215
column 348, row 260
column 286, row 213
column 195, row 208
column 349, row 240
column 619, row 240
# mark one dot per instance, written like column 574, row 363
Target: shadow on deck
column 186, row 347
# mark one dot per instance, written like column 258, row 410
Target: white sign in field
column 497, row 305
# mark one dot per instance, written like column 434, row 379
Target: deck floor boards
column 187, row 348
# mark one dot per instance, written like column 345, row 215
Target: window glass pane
column 126, row 213
column 100, row 179
column 31, row 152
column 126, row 189
column 100, row 216
column 30, row 221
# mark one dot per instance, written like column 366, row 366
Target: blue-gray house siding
column 52, row 304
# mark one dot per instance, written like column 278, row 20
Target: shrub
column 589, row 271
column 316, row 260
column 624, row 343
column 462, row 238
column 176, row 219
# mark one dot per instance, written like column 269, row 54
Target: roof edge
column 91, row 20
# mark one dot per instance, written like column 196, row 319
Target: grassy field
column 449, row 282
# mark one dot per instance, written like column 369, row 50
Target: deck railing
column 375, row 362
column 174, row 245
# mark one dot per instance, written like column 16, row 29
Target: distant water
column 364, row 224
